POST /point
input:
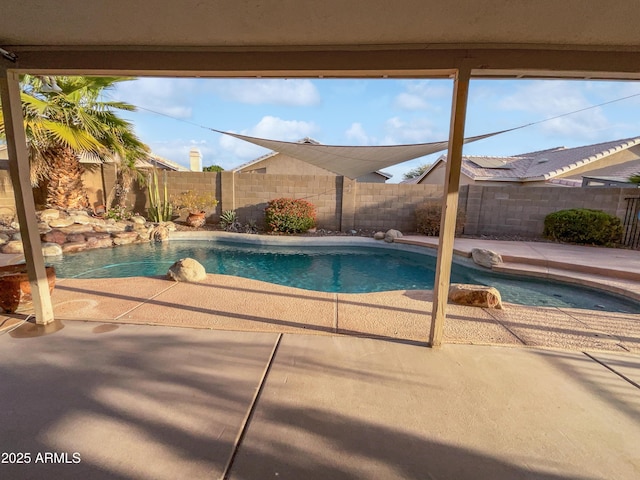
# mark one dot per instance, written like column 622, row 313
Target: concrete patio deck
column 243, row 394
column 145, row 402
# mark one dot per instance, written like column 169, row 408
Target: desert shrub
column 582, row 225
column 288, row 215
column 428, row 218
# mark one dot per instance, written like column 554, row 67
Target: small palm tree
column 70, row 120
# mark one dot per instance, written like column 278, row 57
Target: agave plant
column 228, row 218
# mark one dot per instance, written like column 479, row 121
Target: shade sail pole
column 449, row 204
column 25, row 206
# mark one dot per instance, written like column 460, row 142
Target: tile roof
column 539, row 165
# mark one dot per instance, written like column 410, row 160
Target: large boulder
column 485, row 257
column 49, row 214
column 61, row 222
column 391, row 235
column 475, row 295
column 159, row 233
column 378, row 236
column 51, row 250
column 187, row 270
column 55, row 236
column 13, row 247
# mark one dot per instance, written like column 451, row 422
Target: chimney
column 195, row 160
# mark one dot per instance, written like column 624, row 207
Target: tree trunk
column 65, row 189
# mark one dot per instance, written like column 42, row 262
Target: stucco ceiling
column 357, row 38
column 255, row 23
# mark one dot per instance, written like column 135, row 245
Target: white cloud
column 422, row 95
column 547, row 99
column 294, row 92
column 169, row 96
column 357, row 134
column 398, row 131
column 269, row 127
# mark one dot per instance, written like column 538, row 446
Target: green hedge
column 582, row 225
column 288, row 215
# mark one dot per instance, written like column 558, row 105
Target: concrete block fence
column 343, row 204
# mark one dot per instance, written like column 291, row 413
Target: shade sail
column 353, row 161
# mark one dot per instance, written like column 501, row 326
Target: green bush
column 582, row 225
column 428, row 218
column 287, row 215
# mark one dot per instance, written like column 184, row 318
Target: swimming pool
column 345, row 269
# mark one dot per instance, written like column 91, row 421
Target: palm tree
column 66, row 117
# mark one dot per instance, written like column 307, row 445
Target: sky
column 173, row 111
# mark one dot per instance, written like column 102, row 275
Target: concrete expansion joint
column 335, row 313
column 122, row 315
column 613, row 370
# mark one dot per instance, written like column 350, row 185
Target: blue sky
column 371, row 112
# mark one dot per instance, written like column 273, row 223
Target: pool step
column 622, row 286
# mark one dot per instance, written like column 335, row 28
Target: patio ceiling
column 574, row 38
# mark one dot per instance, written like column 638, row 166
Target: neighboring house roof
column 152, row 160
column 542, row 165
column 274, row 153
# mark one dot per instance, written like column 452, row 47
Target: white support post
column 449, row 205
column 25, row 206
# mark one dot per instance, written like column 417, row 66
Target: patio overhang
column 406, row 39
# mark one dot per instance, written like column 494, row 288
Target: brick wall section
column 490, row 210
column 252, row 192
column 7, row 199
column 380, row 206
column 521, row 210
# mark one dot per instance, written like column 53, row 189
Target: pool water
column 327, row 269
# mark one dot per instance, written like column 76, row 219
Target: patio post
column 449, row 204
column 25, row 206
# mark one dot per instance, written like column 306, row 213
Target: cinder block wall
column 521, row 210
column 343, row 204
column 380, row 206
column 7, row 199
column 253, row 192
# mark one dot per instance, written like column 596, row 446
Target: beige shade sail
column 353, row 161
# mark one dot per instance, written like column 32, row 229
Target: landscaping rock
column 475, row 295
column 125, row 238
column 81, row 219
column 75, row 228
column 55, row 236
column 17, row 236
column 378, row 236
column 138, row 220
column 391, row 235
column 4, row 238
column 61, row 222
column 13, row 247
column 71, row 247
column 97, row 242
column 170, row 226
column 76, row 237
column 187, row 270
column 110, row 228
column 49, row 214
column 159, row 233
column 485, row 257
column 51, row 250
column 43, row 227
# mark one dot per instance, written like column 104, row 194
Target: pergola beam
column 449, row 205
column 25, row 205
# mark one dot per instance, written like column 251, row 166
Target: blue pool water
column 328, row 269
